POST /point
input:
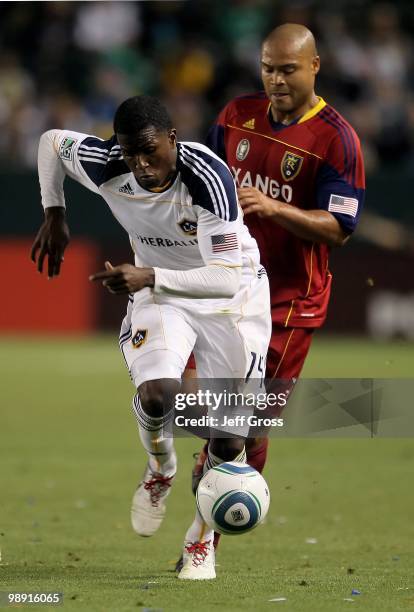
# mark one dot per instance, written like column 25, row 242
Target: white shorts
column 157, row 339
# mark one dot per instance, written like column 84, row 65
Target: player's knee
column 157, row 396
column 227, row 448
column 151, row 400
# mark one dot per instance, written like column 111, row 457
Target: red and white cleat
column 148, row 504
column 198, row 561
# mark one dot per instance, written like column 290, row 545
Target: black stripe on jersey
column 208, row 181
column 350, row 153
column 100, row 149
column 351, row 141
column 101, row 159
column 125, row 336
column 122, row 345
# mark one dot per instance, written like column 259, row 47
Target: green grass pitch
column 70, row 458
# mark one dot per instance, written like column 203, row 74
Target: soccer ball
column 233, row 498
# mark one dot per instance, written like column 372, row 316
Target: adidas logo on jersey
column 249, row 124
column 126, row 189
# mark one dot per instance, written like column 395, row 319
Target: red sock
column 256, row 455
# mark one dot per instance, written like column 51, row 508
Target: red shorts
column 287, row 352
column 191, row 364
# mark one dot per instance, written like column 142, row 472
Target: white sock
column 198, row 531
column 160, row 449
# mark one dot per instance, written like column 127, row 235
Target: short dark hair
column 139, row 112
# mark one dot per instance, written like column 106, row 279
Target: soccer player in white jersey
column 197, row 284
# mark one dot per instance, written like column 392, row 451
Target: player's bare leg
column 153, row 407
column 198, row 558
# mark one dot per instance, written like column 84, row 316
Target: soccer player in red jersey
column 299, row 171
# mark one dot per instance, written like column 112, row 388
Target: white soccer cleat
column 148, row 504
column 198, row 561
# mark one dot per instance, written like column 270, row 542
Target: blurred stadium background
column 69, row 64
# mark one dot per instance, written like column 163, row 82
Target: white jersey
column 195, row 222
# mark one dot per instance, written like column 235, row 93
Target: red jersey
column 313, row 163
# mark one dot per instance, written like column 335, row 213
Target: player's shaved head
column 290, row 63
column 295, row 36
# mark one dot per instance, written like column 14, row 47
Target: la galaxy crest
column 139, row 338
column 290, row 165
column 188, row 227
column 242, row 149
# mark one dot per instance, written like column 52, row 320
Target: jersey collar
column 308, row 115
column 164, row 187
column 313, row 111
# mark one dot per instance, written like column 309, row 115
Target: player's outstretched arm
column 213, row 281
column 339, row 197
column 51, row 241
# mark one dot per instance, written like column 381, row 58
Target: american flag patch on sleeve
column 224, row 242
column 344, row 205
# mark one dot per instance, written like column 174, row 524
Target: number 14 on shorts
column 257, row 368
